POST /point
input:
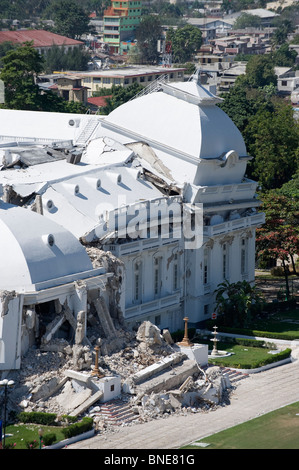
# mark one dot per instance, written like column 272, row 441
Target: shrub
column 179, row 334
column 48, row 439
column 68, row 419
column 237, row 304
column 277, row 271
column 32, row 444
column 36, row 417
column 78, row 428
column 250, row 342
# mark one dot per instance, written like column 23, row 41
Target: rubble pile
column 149, row 367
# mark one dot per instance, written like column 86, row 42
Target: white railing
column 231, row 225
column 152, row 306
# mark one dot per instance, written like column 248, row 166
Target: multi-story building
column 160, row 186
column 74, row 85
column 120, row 22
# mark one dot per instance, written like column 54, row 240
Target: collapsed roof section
column 58, row 257
column 81, row 197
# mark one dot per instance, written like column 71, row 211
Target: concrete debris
column 5, row 297
column 150, row 375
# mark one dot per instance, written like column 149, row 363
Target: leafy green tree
column 148, row 33
column 71, row 20
column 245, row 20
column 185, row 42
column 273, row 139
column 5, row 47
column 260, row 71
column 237, row 303
column 284, row 56
column 120, row 95
column 281, row 32
column 278, row 238
column 20, row 67
column 57, row 58
column 237, row 105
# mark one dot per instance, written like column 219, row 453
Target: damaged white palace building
column 134, row 216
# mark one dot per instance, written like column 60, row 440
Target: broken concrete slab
column 170, row 379
column 87, row 404
column 69, row 399
column 47, row 389
column 152, row 370
column 79, row 376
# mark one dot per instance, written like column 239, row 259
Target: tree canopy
column 70, row 18
column 185, row 41
column 148, row 33
column 273, row 140
column 266, row 122
column 57, row 58
column 260, row 71
column 278, row 238
column 120, row 95
column 20, row 67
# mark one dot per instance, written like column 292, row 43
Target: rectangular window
column 157, row 276
column 225, row 261
column 137, row 293
column 206, row 267
column 243, row 256
column 175, row 283
column 137, row 289
column 106, row 80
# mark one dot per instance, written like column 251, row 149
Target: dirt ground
column 270, row 287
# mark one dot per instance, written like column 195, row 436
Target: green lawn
column 243, row 356
column 23, row 433
column 276, row 430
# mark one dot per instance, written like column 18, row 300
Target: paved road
column 254, row 396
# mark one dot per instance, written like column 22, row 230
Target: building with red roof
column 97, row 102
column 42, row 39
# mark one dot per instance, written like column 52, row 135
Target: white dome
column 183, row 117
column 35, row 250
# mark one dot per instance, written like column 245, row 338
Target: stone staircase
column 233, row 374
column 116, row 412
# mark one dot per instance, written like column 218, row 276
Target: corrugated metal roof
column 40, row 38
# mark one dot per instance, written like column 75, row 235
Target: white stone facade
column 173, row 146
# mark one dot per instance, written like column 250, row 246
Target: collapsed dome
column 36, row 250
